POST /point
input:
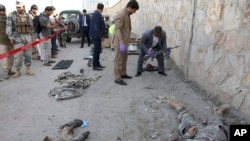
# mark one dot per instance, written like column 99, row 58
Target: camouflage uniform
column 5, row 45
column 19, row 28
column 72, row 85
column 215, row 130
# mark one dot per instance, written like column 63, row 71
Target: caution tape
column 26, row 46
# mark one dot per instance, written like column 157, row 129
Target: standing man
column 46, row 31
column 85, row 23
column 5, row 44
column 121, row 39
column 111, row 34
column 33, row 14
column 96, row 32
column 53, row 39
column 153, row 43
column 19, row 29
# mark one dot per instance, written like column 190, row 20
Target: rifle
column 146, row 57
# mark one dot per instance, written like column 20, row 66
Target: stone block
column 245, row 107
column 232, row 15
column 238, row 100
column 246, row 79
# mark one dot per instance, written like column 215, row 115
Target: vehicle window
column 69, row 16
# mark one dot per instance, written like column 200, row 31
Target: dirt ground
column 129, row 113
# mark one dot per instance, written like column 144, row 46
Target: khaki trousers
column 8, row 61
column 120, row 63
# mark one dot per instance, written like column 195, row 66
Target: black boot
column 83, row 136
column 73, row 124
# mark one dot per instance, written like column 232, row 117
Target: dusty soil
column 129, row 113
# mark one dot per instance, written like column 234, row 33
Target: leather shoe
column 137, row 74
column 126, row 77
column 52, row 61
column 81, row 46
column 163, row 73
column 101, row 66
column 120, row 82
column 97, row 68
column 47, row 64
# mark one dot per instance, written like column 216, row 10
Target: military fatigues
column 5, row 46
column 215, row 130
column 46, row 46
column 19, row 28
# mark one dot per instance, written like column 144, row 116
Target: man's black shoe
column 126, row 77
column 137, row 74
column 58, row 50
column 120, row 82
column 97, row 68
column 81, row 46
column 52, row 61
column 101, row 66
column 163, row 73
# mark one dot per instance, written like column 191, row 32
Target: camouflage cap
column 2, row 7
column 19, row 4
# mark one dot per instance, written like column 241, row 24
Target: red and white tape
column 26, row 46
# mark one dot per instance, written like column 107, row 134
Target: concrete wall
column 214, row 36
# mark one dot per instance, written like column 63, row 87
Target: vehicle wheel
column 68, row 39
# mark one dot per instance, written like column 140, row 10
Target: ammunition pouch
column 23, row 25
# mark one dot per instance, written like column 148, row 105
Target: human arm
column 45, row 22
column 190, row 133
column 144, row 42
column 9, row 29
column 119, row 21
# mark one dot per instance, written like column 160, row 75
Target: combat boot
column 17, row 74
column 28, row 71
column 83, row 136
column 73, row 124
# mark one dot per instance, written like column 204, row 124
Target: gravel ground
column 129, row 113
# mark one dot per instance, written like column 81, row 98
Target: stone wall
column 214, row 36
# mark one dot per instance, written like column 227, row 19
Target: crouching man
column 153, row 44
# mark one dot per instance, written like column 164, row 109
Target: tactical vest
column 3, row 37
column 23, row 25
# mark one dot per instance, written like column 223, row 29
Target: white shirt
column 155, row 41
column 84, row 20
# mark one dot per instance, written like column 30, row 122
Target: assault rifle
column 146, row 57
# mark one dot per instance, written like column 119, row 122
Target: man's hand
column 123, row 48
column 121, row 42
column 150, row 52
column 192, row 131
column 102, row 38
column 55, row 25
column 168, row 51
column 12, row 42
